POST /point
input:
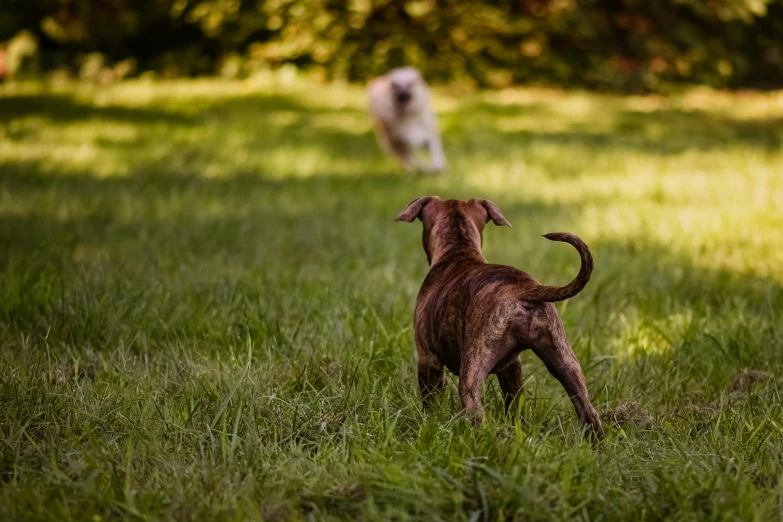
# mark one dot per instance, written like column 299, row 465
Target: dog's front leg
column 432, row 380
column 385, row 141
column 437, row 158
column 397, row 149
column 408, row 158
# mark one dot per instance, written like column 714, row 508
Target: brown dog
column 475, row 318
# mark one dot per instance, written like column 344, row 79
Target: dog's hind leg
column 560, row 360
column 510, row 379
column 487, row 342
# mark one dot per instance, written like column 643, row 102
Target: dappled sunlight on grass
column 526, row 146
column 628, row 185
column 211, row 270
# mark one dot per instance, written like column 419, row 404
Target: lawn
column 206, row 306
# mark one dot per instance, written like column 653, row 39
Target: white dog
column 399, row 103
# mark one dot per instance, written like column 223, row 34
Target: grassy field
column 206, row 307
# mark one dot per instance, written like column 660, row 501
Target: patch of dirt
column 275, row 513
column 693, row 408
column 747, row 378
column 628, row 412
column 738, row 391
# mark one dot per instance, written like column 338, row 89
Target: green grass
column 206, row 307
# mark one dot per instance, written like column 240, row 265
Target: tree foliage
column 616, row 44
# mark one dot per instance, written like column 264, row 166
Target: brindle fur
column 475, row 318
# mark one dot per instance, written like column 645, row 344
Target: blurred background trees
column 630, row 45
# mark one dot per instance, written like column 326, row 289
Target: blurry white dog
column 399, row 103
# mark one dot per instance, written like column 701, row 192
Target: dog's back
column 455, row 293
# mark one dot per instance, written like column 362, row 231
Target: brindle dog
column 475, row 318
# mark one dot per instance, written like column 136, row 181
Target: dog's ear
column 414, row 208
column 493, row 213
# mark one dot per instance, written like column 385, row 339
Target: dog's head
column 451, row 225
column 408, row 90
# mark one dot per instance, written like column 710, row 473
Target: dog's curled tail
column 559, row 293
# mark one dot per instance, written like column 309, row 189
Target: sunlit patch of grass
column 206, row 307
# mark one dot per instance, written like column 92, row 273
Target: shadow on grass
column 64, row 108
column 272, row 134
column 67, row 108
